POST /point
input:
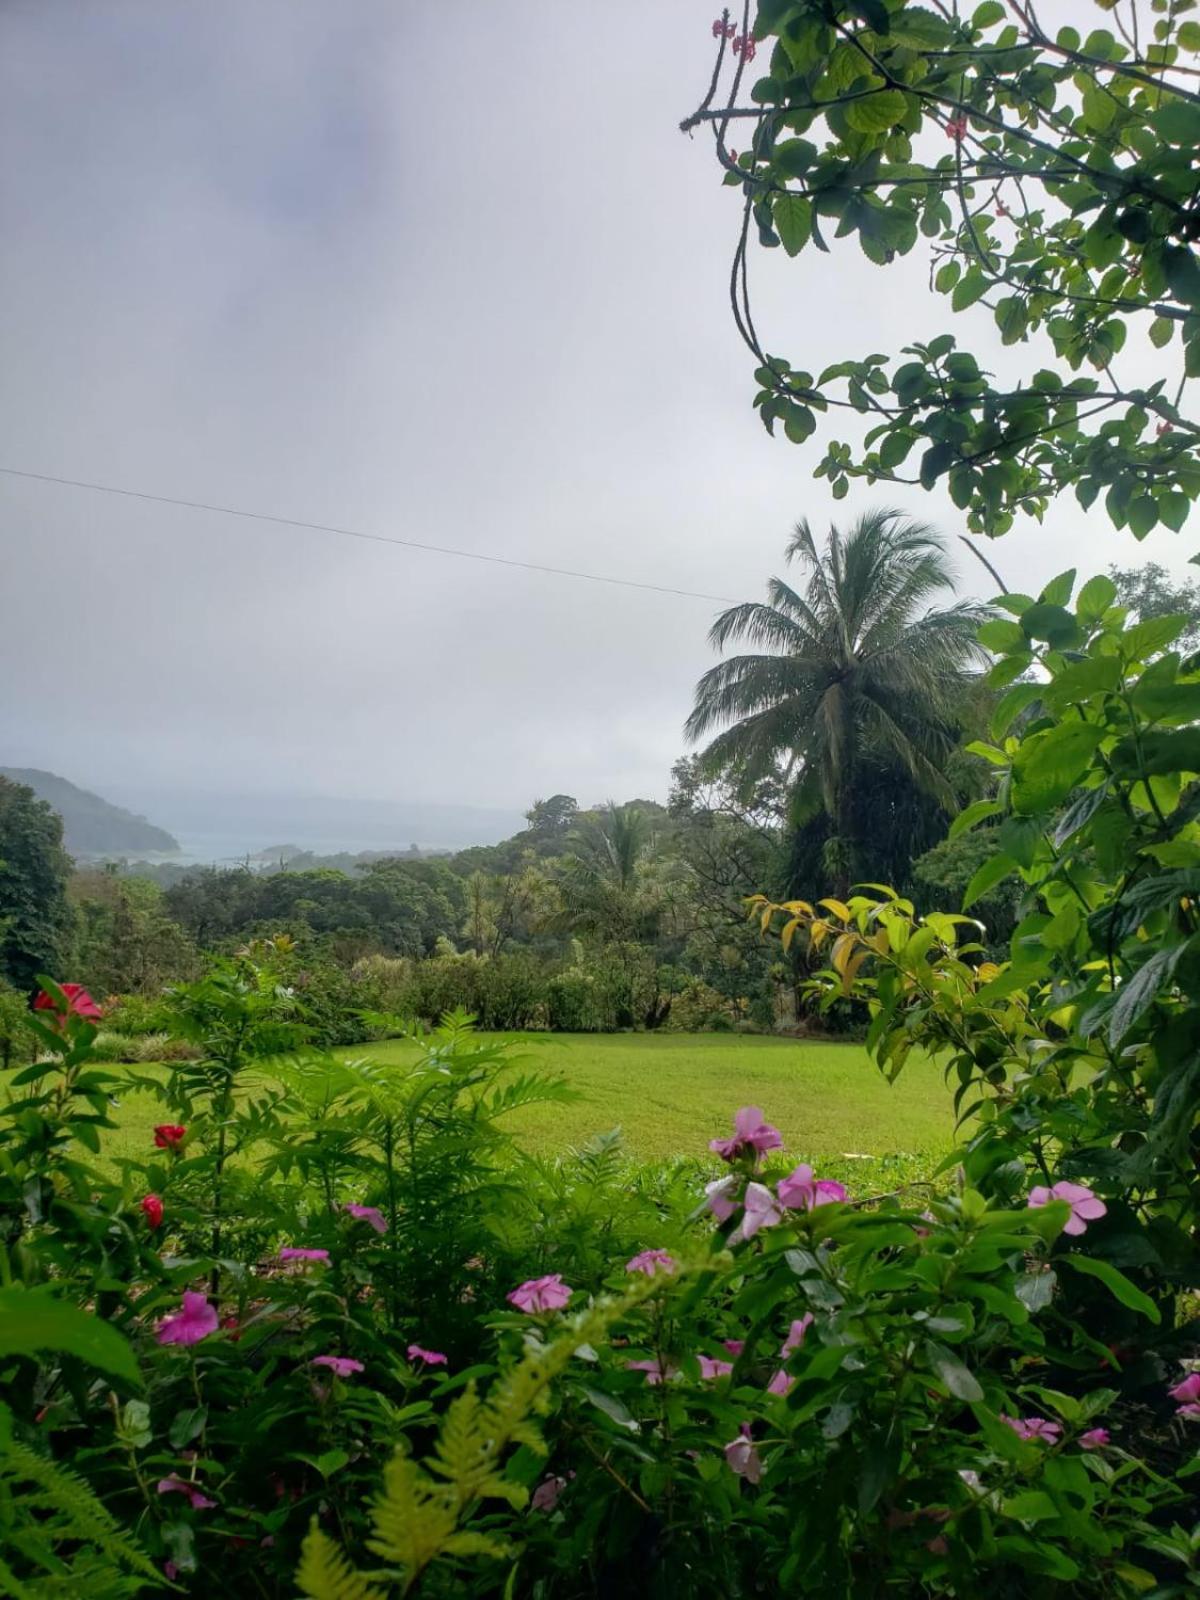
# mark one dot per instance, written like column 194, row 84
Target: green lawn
column 671, row 1093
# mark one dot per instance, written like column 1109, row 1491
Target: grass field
column 671, row 1093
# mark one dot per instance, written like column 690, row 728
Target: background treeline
column 613, row 917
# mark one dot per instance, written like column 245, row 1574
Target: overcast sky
column 446, row 272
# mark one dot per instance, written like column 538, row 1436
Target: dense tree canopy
column 34, row 918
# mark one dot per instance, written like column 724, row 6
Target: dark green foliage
column 1049, row 178
column 34, row 917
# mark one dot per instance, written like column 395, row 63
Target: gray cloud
column 446, row 272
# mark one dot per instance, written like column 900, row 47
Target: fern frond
column 78, row 1515
column 325, row 1573
column 413, row 1518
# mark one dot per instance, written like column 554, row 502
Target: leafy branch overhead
column 1050, row 177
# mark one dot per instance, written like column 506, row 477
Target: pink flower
column 734, row 1346
column 956, row 128
column 745, row 47
column 795, row 1335
column 195, row 1321
column 780, row 1383
column 1163, row 428
column 297, row 1253
column 152, row 1209
column 760, row 1211
column 722, row 29
column 1085, row 1207
column 371, row 1214
column 1187, row 1393
column 721, row 1200
column 1094, row 1439
column 800, row 1191
column 1034, row 1428
column 713, row 1367
column 340, row 1366
column 431, row 1358
column 654, row 1370
column 545, row 1496
column 742, row 1457
column 751, row 1135
column 176, row 1485
column 170, row 1570
column 651, row 1262
column 79, row 1003
column 541, row 1294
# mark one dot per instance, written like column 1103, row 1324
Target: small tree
column 34, row 867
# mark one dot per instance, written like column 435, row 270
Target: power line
column 358, row 533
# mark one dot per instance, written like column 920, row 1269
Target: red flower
column 723, row 29
column 169, row 1136
column 745, row 47
column 152, row 1210
column 79, row 1003
column 956, row 128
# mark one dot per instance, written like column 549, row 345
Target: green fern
column 49, row 1508
column 325, row 1573
column 415, row 1519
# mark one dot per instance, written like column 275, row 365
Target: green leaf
column 1051, row 622
column 37, row 1320
column 1035, row 1290
column 185, row 1425
column 962, row 1384
column 976, row 812
column 1011, row 704
column 992, row 872
column 793, row 220
column 1000, row 635
column 1138, row 993
column 1058, row 591
column 1048, row 766
column 1094, row 599
column 1030, row 1505
column 876, row 113
column 988, row 14
column 612, row 1408
column 1117, row 1284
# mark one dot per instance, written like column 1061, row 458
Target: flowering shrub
column 334, row 1332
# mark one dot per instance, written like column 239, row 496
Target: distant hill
column 92, row 827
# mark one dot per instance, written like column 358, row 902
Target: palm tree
column 857, row 671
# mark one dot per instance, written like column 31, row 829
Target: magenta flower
column 760, row 1212
column 745, row 47
column 1085, row 1206
column 297, row 1253
column 742, row 1457
column 655, row 1371
column 1187, row 1393
column 431, row 1358
column 176, row 1485
column 714, row 1367
column 795, row 1335
column 371, row 1214
column 1094, row 1439
column 781, row 1383
column 651, row 1262
column 721, row 1200
column 195, row 1321
column 1034, row 1428
column 751, row 1135
column 541, row 1294
column 545, row 1496
column 723, row 30
column 340, row 1366
column 800, row 1191
column 734, row 1346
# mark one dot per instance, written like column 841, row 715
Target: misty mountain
column 93, row 827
